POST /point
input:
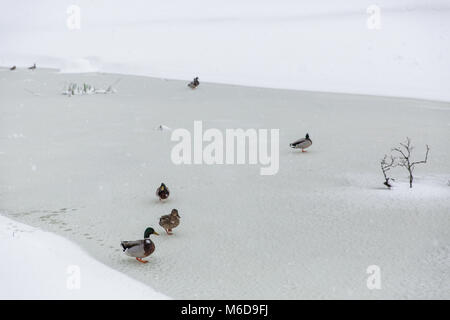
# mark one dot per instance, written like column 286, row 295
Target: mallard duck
column 302, row 143
column 194, row 83
column 32, row 67
column 170, row 221
column 140, row 248
column 162, row 192
column 12, row 68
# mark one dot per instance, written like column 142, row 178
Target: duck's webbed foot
column 140, row 260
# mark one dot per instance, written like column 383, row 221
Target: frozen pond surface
column 86, row 168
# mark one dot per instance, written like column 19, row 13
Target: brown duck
column 170, row 221
column 162, row 192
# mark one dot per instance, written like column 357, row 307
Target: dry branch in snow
column 405, row 161
column 386, row 165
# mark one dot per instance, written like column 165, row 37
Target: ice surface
column 86, row 168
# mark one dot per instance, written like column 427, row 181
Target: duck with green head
column 140, row 248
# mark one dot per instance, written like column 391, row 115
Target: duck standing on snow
column 303, row 143
column 32, row 67
column 194, row 83
column 170, row 221
column 162, row 192
column 140, row 248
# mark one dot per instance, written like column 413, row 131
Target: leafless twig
column 405, row 151
column 386, row 165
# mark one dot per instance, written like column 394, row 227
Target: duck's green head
column 150, row 231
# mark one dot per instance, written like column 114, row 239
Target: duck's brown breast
column 174, row 222
column 149, row 247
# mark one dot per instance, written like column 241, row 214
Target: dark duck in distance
column 162, row 192
column 194, row 83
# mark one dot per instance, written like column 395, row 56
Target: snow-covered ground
column 321, row 45
column 86, row 167
column 41, row 265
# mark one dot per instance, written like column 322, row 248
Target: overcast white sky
column 28, row 15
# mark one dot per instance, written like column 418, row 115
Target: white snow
column 40, row 265
column 87, row 167
column 322, row 45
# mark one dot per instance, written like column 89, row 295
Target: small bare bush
column 404, row 152
column 386, row 165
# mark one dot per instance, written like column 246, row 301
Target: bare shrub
column 386, row 165
column 404, row 160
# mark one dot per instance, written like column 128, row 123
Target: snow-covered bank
column 40, row 265
column 308, row 45
column 86, row 167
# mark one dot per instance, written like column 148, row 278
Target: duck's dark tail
column 129, row 244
